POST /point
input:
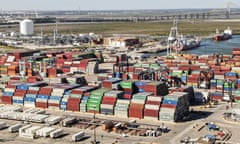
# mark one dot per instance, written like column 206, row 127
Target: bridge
column 230, row 10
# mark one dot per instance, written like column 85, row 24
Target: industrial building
column 121, row 42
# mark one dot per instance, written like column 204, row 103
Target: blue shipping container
column 29, row 99
column 31, row 95
column 22, row 87
column 173, row 102
column 8, row 93
column 141, row 90
column 55, row 97
column 140, row 83
column 42, row 96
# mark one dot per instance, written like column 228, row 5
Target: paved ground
column 177, row 132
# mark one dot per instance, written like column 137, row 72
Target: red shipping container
column 135, row 111
column 225, row 68
column 169, row 106
column 77, row 91
column 128, row 90
column 127, row 96
column 44, row 93
column 151, row 113
column 6, row 99
column 194, row 67
column 138, row 70
column 153, row 102
column 125, row 76
column 237, row 98
column 11, row 86
column 131, row 69
column 108, row 102
column 32, row 92
column 73, row 104
column 20, row 91
column 72, row 108
column 42, row 104
column 107, row 98
column 215, row 97
column 66, row 70
column 135, row 76
column 53, row 104
column 107, row 84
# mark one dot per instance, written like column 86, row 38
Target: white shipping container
column 73, row 69
column 45, row 132
column 235, row 68
column 57, row 94
column 58, row 90
column 153, row 107
column 113, row 93
column 76, row 62
column 68, row 62
column 121, row 101
column 41, row 100
column 138, row 101
column 27, row 135
column 150, row 118
column 167, row 110
column 34, row 88
column 56, row 133
column 9, row 90
column 29, row 104
column 67, row 121
column 17, row 98
column 154, row 98
column 53, row 120
column 7, row 64
column 54, row 101
column 22, row 129
column 3, row 125
column 78, row 136
column 14, row 128
column 39, row 117
column 107, row 106
column 32, row 130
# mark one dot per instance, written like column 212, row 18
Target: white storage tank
column 26, row 27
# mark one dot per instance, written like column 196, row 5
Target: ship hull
column 222, row 37
column 190, row 47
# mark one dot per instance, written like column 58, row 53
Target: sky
column 112, row 4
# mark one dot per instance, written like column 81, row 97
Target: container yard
column 56, row 92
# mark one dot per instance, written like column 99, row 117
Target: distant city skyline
column 113, row 4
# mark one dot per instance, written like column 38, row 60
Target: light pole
column 94, row 132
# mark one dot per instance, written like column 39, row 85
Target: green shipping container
column 99, row 92
column 126, row 84
column 176, row 73
column 93, row 101
column 93, row 107
column 137, row 65
column 145, row 65
column 96, row 97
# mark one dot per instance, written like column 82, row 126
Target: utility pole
column 94, row 132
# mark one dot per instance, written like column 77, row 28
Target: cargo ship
column 182, row 43
column 226, row 35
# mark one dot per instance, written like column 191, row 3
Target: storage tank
column 26, row 27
